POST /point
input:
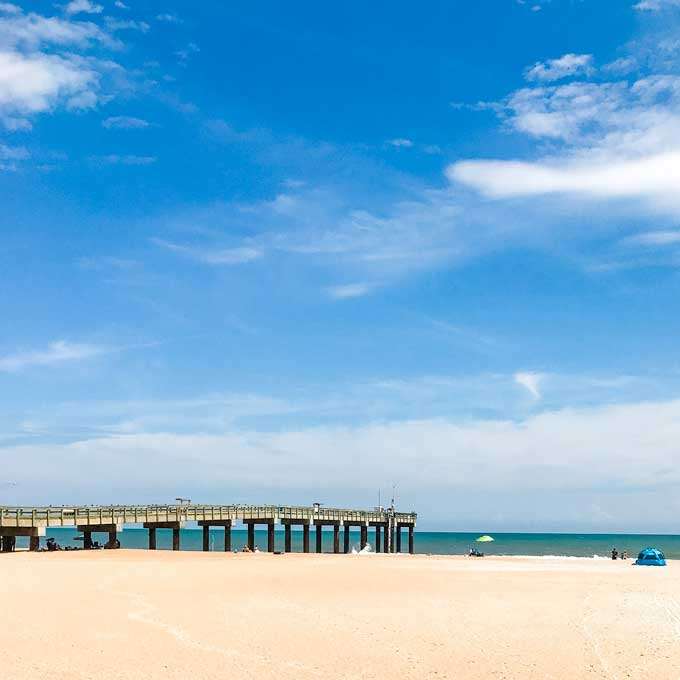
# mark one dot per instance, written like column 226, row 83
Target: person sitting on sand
column 246, row 549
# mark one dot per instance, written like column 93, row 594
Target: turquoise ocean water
column 438, row 543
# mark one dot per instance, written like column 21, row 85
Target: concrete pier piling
column 364, row 536
column 32, row 522
column 206, row 524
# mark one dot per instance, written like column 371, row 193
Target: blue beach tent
column 651, row 557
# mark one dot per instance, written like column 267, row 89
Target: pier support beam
column 305, row 538
column 34, row 543
column 270, row 537
column 398, row 538
column 364, row 536
column 318, row 538
column 8, row 543
column 207, row 523
column 410, row 539
column 378, row 530
column 346, row 539
column 175, row 526
column 270, row 532
column 386, row 531
column 88, row 529
column 336, row 538
column 287, row 539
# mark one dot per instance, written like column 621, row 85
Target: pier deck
column 33, row 521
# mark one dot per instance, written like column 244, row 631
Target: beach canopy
column 484, row 539
column 651, row 557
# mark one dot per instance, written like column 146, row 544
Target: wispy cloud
column 655, row 5
column 218, row 256
column 349, row 290
column 117, row 159
column 654, row 238
column 125, row 123
column 567, row 66
column 56, row 352
column 530, row 382
column 401, row 143
column 168, row 18
column 83, row 7
column 127, row 25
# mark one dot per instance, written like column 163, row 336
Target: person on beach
column 615, row 553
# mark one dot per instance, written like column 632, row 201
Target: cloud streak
column 56, row 352
column 218, row 256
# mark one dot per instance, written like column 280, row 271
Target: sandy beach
column 138, row 614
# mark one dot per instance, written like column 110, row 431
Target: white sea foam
column 555, row 557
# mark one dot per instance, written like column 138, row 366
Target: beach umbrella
column 484, row 539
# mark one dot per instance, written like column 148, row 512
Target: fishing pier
column 386, row 524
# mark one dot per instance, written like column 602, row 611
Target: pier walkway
column 33, row 521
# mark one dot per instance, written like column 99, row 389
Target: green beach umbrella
column 484, row 539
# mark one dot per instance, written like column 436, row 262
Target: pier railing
column 53, row 516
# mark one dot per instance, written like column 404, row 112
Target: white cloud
column 655, row 5
column 38, row 82
column 13, row 153
column 654, row 238
column 56, row 353
column 349, row 290
column 41, row 69
column 31, row 31
column 530, row 382
column 124, row 123
column 586, row 455
column 83, row 6
column 401, row 143
column 567, row 66
column 619, row 141
column 213, row 256
column 168, row 18
column 127, row 25
column 9, row 8
column 655, row 178
column 120, row 5
column 128, row 159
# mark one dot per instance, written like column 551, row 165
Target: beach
column 131, row 614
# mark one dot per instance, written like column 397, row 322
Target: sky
column 256, row 252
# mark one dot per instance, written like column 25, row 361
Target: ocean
column 436, row 543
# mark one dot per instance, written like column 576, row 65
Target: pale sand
column 136, row 614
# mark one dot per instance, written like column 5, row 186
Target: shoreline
column 313, row 555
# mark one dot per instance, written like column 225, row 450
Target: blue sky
column 258, row 252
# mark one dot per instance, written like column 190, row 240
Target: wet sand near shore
column 131, row 614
